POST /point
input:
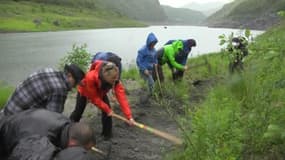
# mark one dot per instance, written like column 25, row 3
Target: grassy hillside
column 183, row 16
column 146, row 10
column 5, row 92
column 242, row 117
column 31, row 16
column 256, row 14
column 135, row 9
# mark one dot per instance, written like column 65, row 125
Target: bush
column 78, row 56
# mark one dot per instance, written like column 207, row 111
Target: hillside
column 146, row 10
column 254, row 14
column 242, row 117
column 206, row 8
column 34, row 16
column 183, row 16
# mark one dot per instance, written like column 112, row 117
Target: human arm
column 140, row 60
column 92, row 91
column 122, row 99
column 171, row 58
column 56, row 103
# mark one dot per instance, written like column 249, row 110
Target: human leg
column 81, row 102
column 106, row 121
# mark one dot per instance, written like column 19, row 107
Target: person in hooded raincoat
column 182, row 56
column 147, row 60
column 166, row 55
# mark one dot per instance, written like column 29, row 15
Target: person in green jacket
column 166, row 55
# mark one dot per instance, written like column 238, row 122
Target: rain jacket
column 92, row 87
column 146, row 57
column 31, row 122
column 169, row 53
column 33, row 148
column 74, row 153
column 183, row 55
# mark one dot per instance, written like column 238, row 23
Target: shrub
column 79, row 56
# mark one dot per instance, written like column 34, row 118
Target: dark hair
column 192, row 42
column 82, row 133
column 115, row 59
column 75, row 71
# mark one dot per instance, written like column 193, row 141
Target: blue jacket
column 182, row 56
column 108, row 56
column 146, row 57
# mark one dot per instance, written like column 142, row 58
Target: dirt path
column 132, row 143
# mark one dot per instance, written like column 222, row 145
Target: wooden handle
column 98, row 151
column 152, row 130
column 158, row 78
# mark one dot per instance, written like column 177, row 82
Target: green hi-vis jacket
column 169, row 53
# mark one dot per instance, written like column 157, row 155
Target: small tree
column 79, row 56
column 281, row 14
column 235, row 53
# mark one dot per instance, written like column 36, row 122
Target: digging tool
column 99, row 151
column 158, row 78
column 152, row 130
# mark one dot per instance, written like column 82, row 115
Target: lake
column 23, row 53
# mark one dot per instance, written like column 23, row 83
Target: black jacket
column 33, row 148
column 31, row 122
column 74, row 153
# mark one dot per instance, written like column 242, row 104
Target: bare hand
column 111, row 113
column 146, row 72
column 185, row 68
column 131, row 122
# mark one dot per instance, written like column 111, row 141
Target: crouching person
column 102, row 77
column 46, row 88
column 40, row 134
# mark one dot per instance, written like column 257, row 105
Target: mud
column 130, row 142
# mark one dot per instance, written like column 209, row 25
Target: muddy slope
column 132, row 143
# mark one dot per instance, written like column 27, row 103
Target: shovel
column 157, row 132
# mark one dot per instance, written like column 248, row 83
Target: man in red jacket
column 102, row 77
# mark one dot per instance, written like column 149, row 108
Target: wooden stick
column 152, row 130
column 98, row 151
column 158, row 78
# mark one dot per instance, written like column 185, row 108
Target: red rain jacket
column 90, row 87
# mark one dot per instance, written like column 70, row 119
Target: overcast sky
column 179, row 3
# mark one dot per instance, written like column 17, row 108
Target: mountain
column 253, row 14
column 183, row 16
column 144, row 10
column 206, row 8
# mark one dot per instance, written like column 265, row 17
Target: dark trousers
column 80, row 106
column 236, row 66
column 177, row 75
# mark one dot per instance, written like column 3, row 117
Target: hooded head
column 177, row 46
column 191, row 42
column 151, row 40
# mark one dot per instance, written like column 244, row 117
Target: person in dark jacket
column 182, row 56
column 99, row 80
column 74, row 153
column 239, row 50
column 147, row 60
column 46, row 88
column 42, row 131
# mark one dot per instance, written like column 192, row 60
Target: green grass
column 5, row 92
column 21, row 16
column 243, row 116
